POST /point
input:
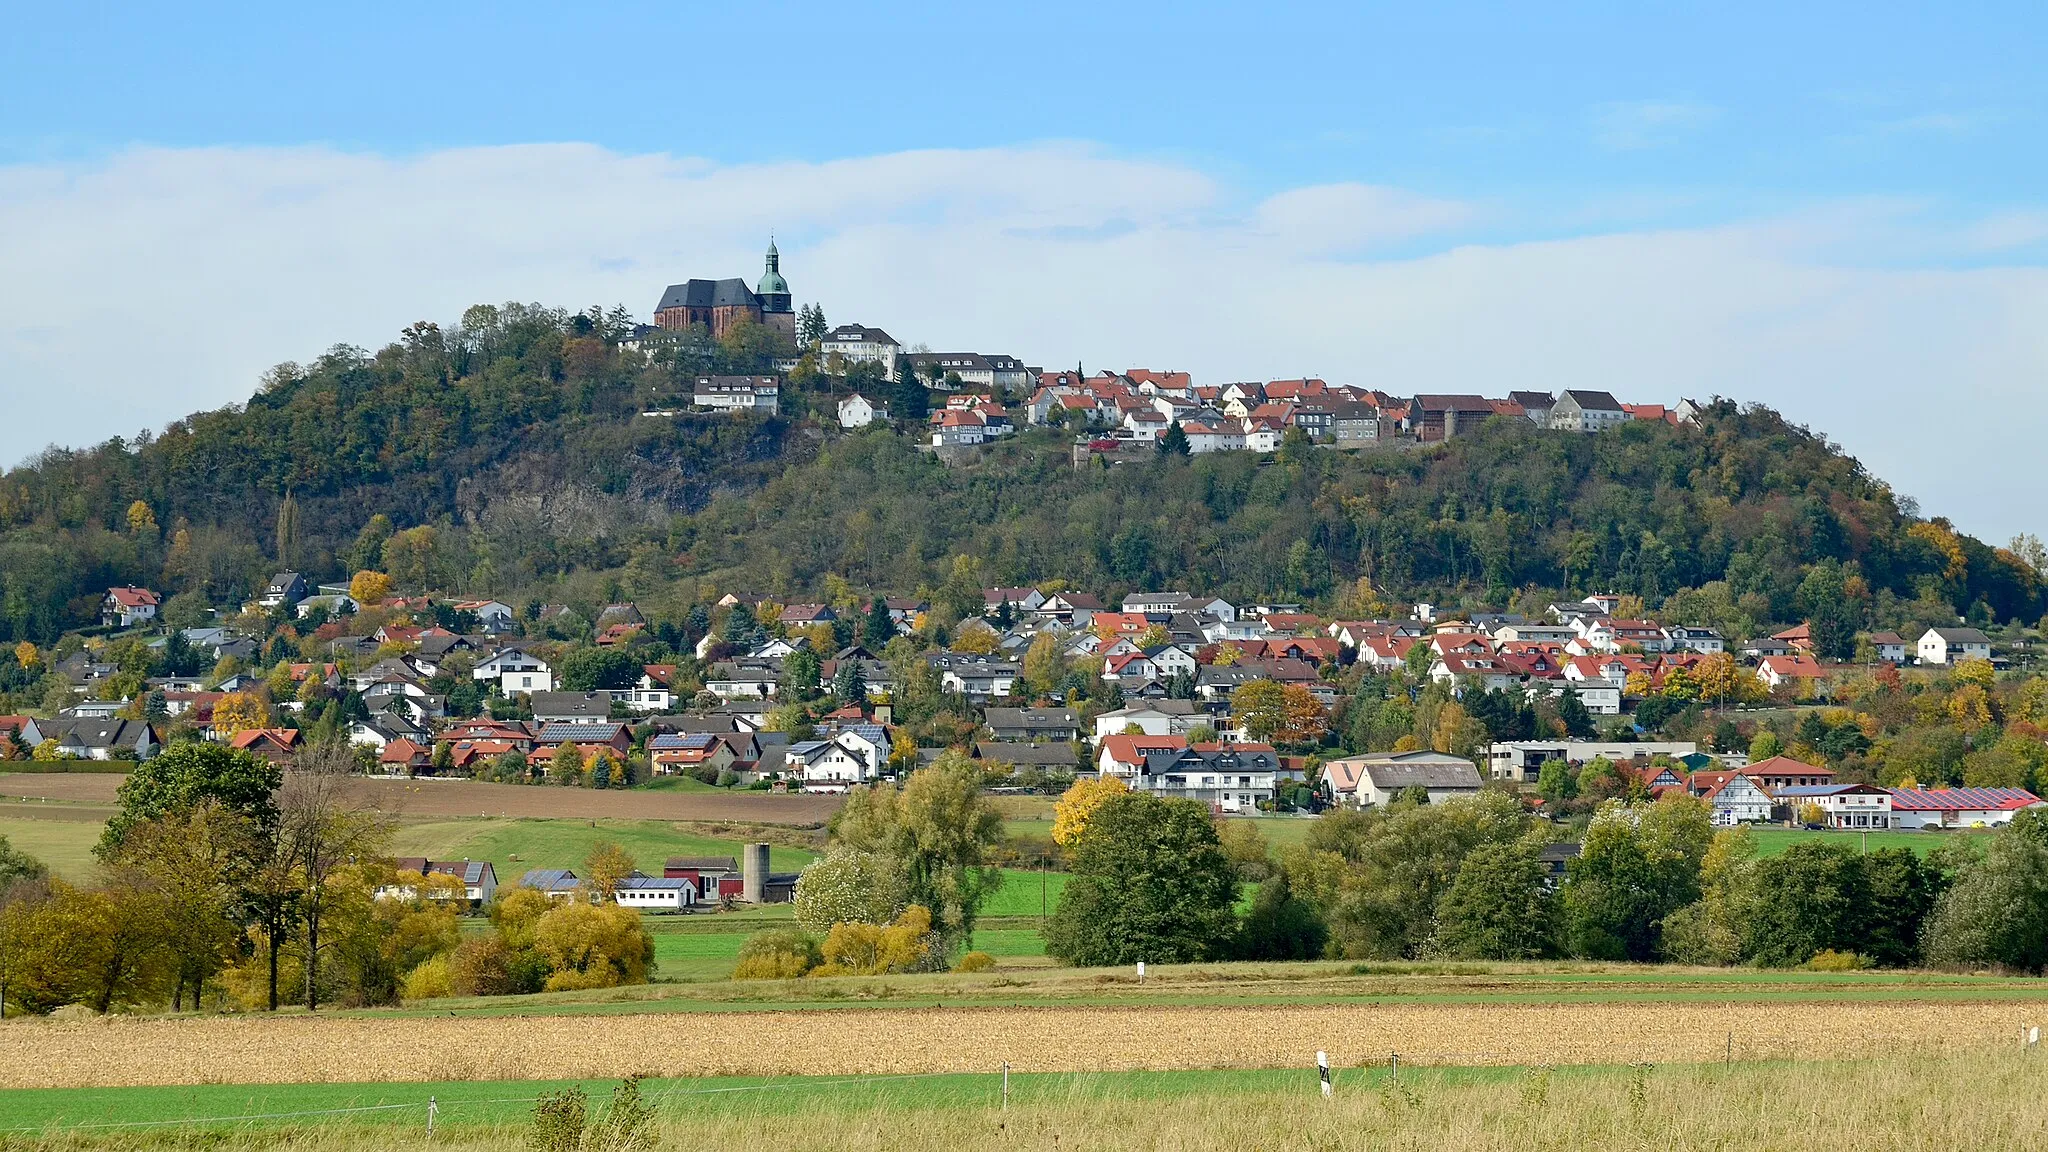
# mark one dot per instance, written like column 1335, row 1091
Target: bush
column 856, row 949
column 975, row 962
column 432, row 980
column 1829, row 960
column 777, row 954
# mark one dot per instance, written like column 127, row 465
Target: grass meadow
column 1894, row 1103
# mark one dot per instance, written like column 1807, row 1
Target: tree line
column 225, row 882
column 513, row 440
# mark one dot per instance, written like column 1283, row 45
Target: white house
column 1891, row 647
column 1584, row 410
column 1685, row 638
column 1949, row 645
column 1856, row 807
column 1154, row 718
column 857, row 411
column 828, row 765
column 1521, row 759
column 1379, row 778
column 1736, row 798
column 738, row 393
column 859, row 344
column 515, row 671
column 127, row 607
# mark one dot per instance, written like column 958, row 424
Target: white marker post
column 1141, row 971
column 1323, row 1070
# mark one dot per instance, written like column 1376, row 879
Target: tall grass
column 1990, row 1102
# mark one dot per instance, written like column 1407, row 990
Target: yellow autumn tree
column 1975, row 671
column 239, row 712
column 1077, row 804
column 141, row 520
column 975, row 638
column 25, row 654
column 369, row 587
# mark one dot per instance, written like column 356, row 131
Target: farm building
column 554, row 883
column 1959, row 807
column 656, row 893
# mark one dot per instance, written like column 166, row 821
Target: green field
column 64, row 845
column 487, row 1102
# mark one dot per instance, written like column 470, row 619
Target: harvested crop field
column 121, row 1051
column 428, row 799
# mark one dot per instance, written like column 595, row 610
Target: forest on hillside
column 507, row 457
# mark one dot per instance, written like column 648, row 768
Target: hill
column 508, row 457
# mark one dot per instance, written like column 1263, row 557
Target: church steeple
column 773, row 289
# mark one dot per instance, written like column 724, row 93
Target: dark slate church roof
column 728, row 293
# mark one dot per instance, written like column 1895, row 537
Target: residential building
column 1734, row 797
column 1124, row 756
column 956, row 370
column 738, row 393
column 1062, row 725
column 1798, row 673
column 859, row 344
column 277, row 745
column 570, row 707
column 671, row 754
column 1522, row 759
column 1686, row 638
column 1227, row 777
column 1781, row 772
column 1153, row 718
column 515, row 671
column 285, row 590
column 1535, row 405
column 1582, row 410
column 1890, row 646
column 857, row 411
column 126, row 607
column 101, row 738
column 1950, row 645
column 1377, row 779
column 830, row 765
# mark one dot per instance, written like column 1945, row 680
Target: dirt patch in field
column 298, row 1049
column 431, row 799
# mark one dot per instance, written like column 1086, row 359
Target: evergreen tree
column 909, row 401
column 849, row 683
column 1578, row 723
column 1175, row 442
column 879, row 628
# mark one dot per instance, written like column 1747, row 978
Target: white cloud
column 165, row 281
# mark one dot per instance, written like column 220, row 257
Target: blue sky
column 1851, row 194
column 1686, row 115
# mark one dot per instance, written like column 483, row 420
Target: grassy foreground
column 1987, row 1101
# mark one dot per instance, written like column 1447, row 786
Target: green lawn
column 64, row 845
column 1772, row 841
column 704, row 948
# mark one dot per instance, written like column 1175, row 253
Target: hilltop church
column 718, row 304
